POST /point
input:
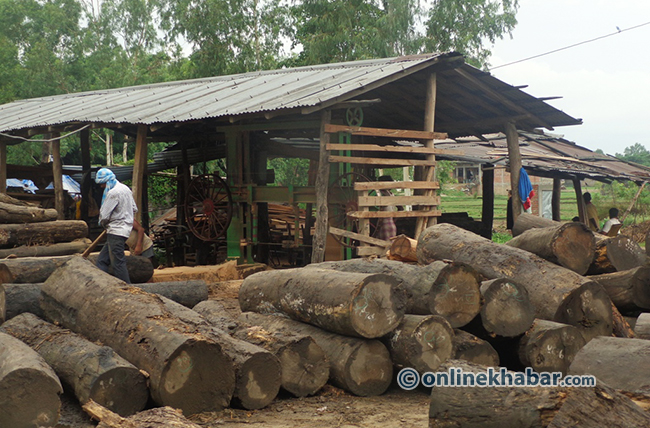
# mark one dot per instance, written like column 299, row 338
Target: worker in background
column 386, row 225
column 139, row 243
column 592, row 214
column 613, row 221
column 116, row 215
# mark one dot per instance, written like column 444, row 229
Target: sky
column 606, row 83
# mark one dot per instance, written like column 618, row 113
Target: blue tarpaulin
column 69, row 185
column 27, row 185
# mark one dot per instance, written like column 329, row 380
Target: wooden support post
column 84, row 142
column 3, row 167
column 429, row 121
column 636, row 197
column 582, row 211
column 57, row 172
column 487, row 215
column 140, row 170
column 556, row 199
column 512, row 136
column 321, row 230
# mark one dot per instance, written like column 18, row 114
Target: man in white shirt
column 613, row 220
column 116, row 215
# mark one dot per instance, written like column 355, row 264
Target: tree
column 636, row 153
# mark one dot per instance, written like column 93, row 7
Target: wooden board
column 378, row 161
column 394, row 214
column 359, row 237
column 383, row 132
column 381, row 185
column 391, row 201
column 393, row 149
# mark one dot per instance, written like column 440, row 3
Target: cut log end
column 433, row 343
column 550, row 346
column 455, row 294
column 375, row 311
column 198, row 378
column 507, row 310
column 574, row 247
column 589, row 309
column 305, row 369
column 258, row 381
column 371, row 370
column 470, row 348
column 29, row 398
column 122, row 390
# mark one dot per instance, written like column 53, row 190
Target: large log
column 550, row 346
column 60, row 249
column 12, row 235
column 642, row 326
column 421, row 342
column 257, row 371
column 158, row 417
column 30, row 270
column 527, row 221
column 557, row 293
column 187, row 293
column 305, row 368
column 93, row 372
column 353, row 304
column 450, row 290
column 618, row 253
column 620, row 362
column 187, row 370
column 29, row 388
column 628, row 289
column 23, row 298
column 3, row 304
column 507, row 310
column 470, row 348
column 5, row 274
column 360, row 366
column 571, row 245
column 10, row 213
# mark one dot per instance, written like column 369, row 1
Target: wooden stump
column 354, row 304
column 93, row 372
column 557, row 293
column 506, row 309
column 12, row 235
column 305, row 368
column 628, row 289
column 29, row 389
column 571, row 245
column 360, row 366
column 403, row 248
column 421, row 342
column 10, row 213
column 187, row 370
column 60, row 249
column 470, row 348
column 550, row 347
column 619, row 362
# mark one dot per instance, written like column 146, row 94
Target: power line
column 572, row 46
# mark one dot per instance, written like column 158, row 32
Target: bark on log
column 628, row 289
column 360, row 366
column 450, row 290
column 403, row 249
column 507, row 310
column 187, row 293
column 421, row 342
column 187, row 370
column 620, row 362
column 29, row 389
column 571, row 245
column 619, row 253
column 163, row 417
column 12, row 235
column 10, row 213
column 93, row 372
column 620, row 327
column 550, row 346
column 642, row 326
column 470, row 348
column 3, row 304
column 5, row 274
column 31, row 270
column 60, row 249
column 23, row 298
column 258, row 372
column 6, row 199
column 557, row 293
column 353, row 304
column 527, row 221
column 305, row 368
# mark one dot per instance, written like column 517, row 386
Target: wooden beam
column 57, row 174
column 355, row 103
column 359, row 237
column 380, row 161
column 636, row 197
column 429, row 123
column 582, row 210
column 84, row 142
column 140, row 170
column 392, row 201
column 3, row 167
column 383, row 185
column 389, row 133
column 320, row 232
column 512, row 137
column 393, row 214
column 394, row 149
column 556, row 198
column 371, row 251
column 487, row 215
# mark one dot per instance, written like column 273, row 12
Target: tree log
column 6, row 199
column 421, row 342
column 187, row 293
column 353, row 304
column 620, row 362
column 403, row 248
column 557, row 293
column 506, row 309
column 93, row 372
column 571, row 245
column 619, row 253
column 470, row 348
column 159, row 417
column 10, row 213
column 12, row 235
column 550, row 346
column 30, row 270
column 23, row 298
column 3, row 304
column 360, row 366
column 29, row 389
column 642, row 326
column 527, row 221
column 5, row 274
column 60, row 249
column 305, row 368
column 187, row 370
column 628, row 289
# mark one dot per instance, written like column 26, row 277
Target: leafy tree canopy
column 635, row 153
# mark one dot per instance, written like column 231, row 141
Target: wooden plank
column 383, row 132
column 379, row 161
column 359, row 237
column 394, row 214
column 381, row 185
column 371, row 251
column 391, row 201
column 394, row 149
